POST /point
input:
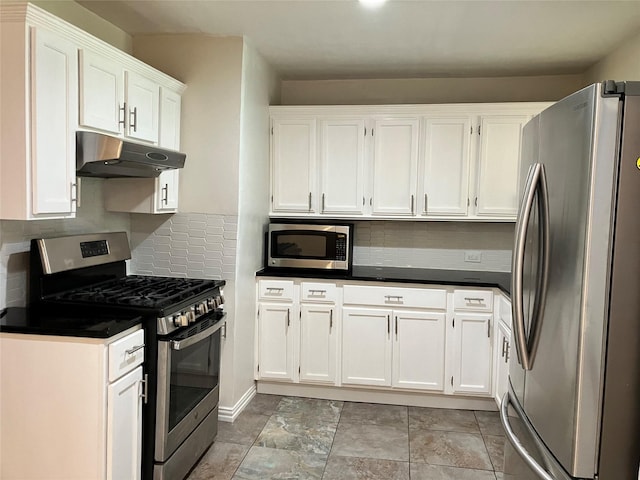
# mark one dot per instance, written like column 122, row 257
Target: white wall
column 428, row 90
column 211, row 67
column 623, row 63
column 260, row 87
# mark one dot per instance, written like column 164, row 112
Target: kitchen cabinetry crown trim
column 33, row 14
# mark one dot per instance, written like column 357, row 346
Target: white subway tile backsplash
column 195, row 245
column 438, row 245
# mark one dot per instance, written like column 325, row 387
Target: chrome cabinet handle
column 425, row 204
column 133, row 123
column 74, row 192
column 288, row 317
column 122, row 109
column 474, row 299
column 388, row 325
column 330, row 319
column 398, row 298
column 504, row 345
column 275, row 289
column 309, row 201
column 133, row 350
column 323, row 203
column 145, row 388
column 396, row 327
column 412, row 203
column 165, row 196
column 515, row 441
column 317, row 292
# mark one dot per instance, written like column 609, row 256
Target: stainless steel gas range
column 183, row 321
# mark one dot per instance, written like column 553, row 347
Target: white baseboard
column 229, row 414
column 365, row 395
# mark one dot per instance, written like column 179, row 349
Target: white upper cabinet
column 423, row 162
column 293, row 165
column 445, row 172
column 500, row 140
column 101, row 93
column 395, row 166
column 143, row 97
column 116, row 100
column 342, row 150
column 39, row 91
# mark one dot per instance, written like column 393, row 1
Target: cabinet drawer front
column 276, row 289
column 476, row 300
column 126, row 354
column 318, row 292
column 432, row 298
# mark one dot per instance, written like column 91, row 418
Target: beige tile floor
column 299, row 438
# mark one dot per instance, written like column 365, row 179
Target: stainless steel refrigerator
column 573, row 405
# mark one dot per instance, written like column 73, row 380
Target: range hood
column 99, row 155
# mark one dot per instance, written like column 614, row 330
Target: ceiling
column 321, row 39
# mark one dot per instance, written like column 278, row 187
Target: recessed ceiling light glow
column 372, row 3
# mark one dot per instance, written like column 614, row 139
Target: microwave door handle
column 517, row 444
column 187, row 342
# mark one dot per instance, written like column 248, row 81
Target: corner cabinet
column 39, row 91
column 94, row 394
column 419, row 162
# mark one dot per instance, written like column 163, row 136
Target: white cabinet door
column 366, row 346
column 168, row 182
column 500, row 140
column 418, row 350
column 318, row 343
column 143, row 99
column 293, row 168
column 502, row 353
column 342, row 165
column 124, row 427
column 395, row 166
column 101, row 93
column 276, row 346
column 166, row 191
column 446, row 166
column 471, row 360
column 54, row 62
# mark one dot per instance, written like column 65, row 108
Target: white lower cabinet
column 419, row 350
column 71, row 407
column 318, row 343
column 502, row 349
column 398, row 337
column 277, row 342
column 471, row 360
column 366, row 346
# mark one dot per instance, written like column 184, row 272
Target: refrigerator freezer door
column 525, row 455
column 562, row 391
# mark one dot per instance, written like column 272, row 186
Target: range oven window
column 194, row 374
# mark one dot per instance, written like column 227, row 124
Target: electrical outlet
column 473, row 256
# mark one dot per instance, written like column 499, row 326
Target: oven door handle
column 187, row 342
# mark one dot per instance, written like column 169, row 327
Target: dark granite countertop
column 33, row 321
column 501, row 280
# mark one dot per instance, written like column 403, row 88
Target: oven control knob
column 176, row 320
column 202, row 308
column 212, row 303
column 191, row 316
column 181, row 320
column 220, row 300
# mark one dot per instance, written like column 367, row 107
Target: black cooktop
column 36, row 321
column 137, row 291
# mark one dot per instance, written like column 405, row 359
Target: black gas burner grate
column 138, row 291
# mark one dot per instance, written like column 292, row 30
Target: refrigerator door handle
column 543, row 267
column 517, row 266
column 536, row 182
column 517, row 444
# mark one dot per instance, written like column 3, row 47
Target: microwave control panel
column 341, row 246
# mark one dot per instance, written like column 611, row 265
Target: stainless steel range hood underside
column 99, row 155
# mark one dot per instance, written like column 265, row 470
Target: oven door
column 188, row 374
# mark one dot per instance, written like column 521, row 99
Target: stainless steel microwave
column 298, row 245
